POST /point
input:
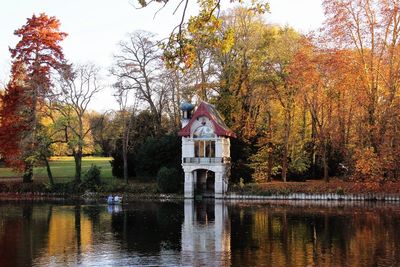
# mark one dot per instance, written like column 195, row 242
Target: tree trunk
column 28, row 174
column 314, row 146
column 325, row 162
column 269, row 160
column 31, row 146
column 125, row 161
column 269, row 165
column 78, row 165
column 284, row 163
column 286, row 146
column 49, row 173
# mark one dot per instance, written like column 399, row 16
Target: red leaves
column 34, row 56
column 12, row 125
column 39, row 47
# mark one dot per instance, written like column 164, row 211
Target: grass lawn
column 63, row 169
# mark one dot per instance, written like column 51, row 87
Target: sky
column 95, row 27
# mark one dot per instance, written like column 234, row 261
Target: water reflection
column 293, row 235
column 206, row 234
column 18, row 244
column 200, row 234
column 149, row 227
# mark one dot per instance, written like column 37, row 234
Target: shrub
column 368, row 167
column 68, row 188
column 169, row 180
column 340, row 191
column 92, row 180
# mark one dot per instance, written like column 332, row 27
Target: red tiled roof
column 209, row 111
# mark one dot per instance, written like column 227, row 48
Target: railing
column 207, row 160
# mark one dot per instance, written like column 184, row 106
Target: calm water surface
column 211, row 233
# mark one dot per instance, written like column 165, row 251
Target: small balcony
column 196, row 160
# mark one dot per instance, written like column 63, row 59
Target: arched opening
column 205, row 182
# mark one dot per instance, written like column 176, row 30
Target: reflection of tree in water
column 93, row 213
column 23, row 233
column 292, row 236
column 148, row 227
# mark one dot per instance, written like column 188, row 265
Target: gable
column 206, row 115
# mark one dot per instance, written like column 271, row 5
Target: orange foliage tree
column 13, row 122
column 371, row 28
column 35, row 55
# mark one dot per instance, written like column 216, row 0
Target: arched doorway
column 205, row 182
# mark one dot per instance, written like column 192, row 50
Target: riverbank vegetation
column 304, row 106
column 335, row 186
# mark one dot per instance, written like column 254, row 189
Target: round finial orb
column 186, row 106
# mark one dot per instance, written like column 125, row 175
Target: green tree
column 76, row 89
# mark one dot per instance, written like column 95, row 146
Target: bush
column 368, row 167
column 68, row 188
column 92, row 180
column 156, row 153
column 169, row 180
column 148, row 157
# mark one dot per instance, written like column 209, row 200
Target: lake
column 200, row 233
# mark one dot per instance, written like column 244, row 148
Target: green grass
column 63, row 169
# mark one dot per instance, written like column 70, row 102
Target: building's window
column 210, row 149
column 196, row 148
column 204, row 149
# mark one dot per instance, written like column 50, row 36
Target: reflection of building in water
column 206, row 234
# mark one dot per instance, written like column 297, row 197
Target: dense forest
column 303, row 106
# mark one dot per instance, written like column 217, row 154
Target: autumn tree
column 278, row 56
column 35, row 55
column 371, row 29
column 179, row 50
column 13, row 125
column 234, row 96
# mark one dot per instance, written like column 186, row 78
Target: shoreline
column 131, row 197
column 319, row 197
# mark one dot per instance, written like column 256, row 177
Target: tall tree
column 76, row 89
column 236, row 88
column 13, row 119
column 372, row 29
column 127, row 114
column 278, row 57
column 36, row 54
column 138, row 66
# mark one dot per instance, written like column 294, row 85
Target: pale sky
column 95, row 27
